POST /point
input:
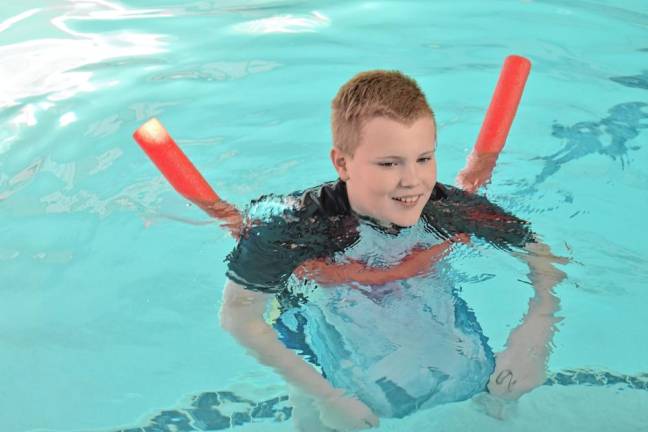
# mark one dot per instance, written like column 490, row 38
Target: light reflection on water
column 49, row 66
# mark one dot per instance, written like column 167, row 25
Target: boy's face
column 392, row 173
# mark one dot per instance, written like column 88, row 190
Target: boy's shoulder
column 283, row 231
column 325, row 200
column 452, row 210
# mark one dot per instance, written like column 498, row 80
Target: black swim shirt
column 319, row 222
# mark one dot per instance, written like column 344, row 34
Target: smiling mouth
column 408, row 200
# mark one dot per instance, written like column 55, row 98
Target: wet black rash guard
column 319, row 222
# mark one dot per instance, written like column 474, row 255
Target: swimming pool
column 111, row 284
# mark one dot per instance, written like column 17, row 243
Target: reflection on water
column 51, row 67
column 636, row 81
column 219, row 71
column 44, row 66
column 611, row 136
column 284, row 24
column 218, row 410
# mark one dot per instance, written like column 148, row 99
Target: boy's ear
column 339, row 160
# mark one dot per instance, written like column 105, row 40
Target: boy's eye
column 393, row 164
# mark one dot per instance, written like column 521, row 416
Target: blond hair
column 376, row 93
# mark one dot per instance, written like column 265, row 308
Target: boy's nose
column 409, row 177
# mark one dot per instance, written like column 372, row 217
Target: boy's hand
column 521, row 368
column 477, row 171
column 345, row 413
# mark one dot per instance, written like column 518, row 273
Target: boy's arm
column 522, row 365
column 242, row 316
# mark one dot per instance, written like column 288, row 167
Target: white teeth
column 408, row 200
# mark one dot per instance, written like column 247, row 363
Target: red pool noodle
column 503, row 106
column 158, row 145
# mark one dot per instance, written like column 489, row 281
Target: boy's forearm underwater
column 242, row 316
column 521, row 367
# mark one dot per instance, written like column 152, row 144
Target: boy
column 389, row 333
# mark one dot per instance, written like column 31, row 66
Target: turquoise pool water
column 110, row 283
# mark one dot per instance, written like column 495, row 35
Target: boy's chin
column 405, row 221
column 405, row 224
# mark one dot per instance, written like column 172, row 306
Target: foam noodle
column 497, row 123
column 158, row 145
column 503, row 106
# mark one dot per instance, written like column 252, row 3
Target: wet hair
column 370, row 94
